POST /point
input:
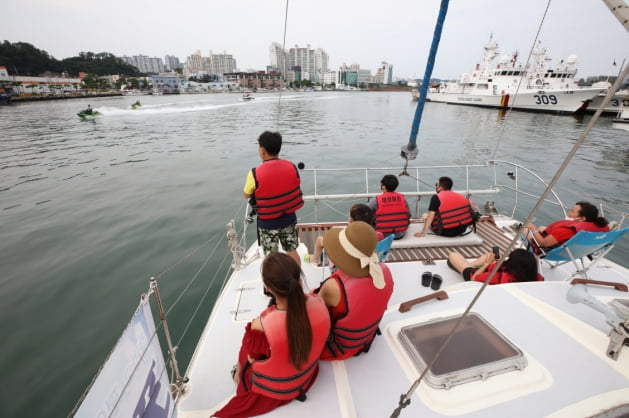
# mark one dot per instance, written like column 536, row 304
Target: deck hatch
column 477, row 350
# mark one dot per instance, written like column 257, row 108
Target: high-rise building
column 304, row 58
column 145, row 64
column 312, row 64
column 277, row 58
column 321, row 64
column 171, row 63
column 194, row 64
column 384, row 75
column 352, row 75
column 221, row 63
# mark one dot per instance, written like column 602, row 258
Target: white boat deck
column 568, row 372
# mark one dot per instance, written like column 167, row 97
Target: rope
column 528, row 59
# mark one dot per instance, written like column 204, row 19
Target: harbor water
column 90, row 210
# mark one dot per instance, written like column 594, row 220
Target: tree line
column 21, row 58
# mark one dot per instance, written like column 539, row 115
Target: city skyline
column 352, row 32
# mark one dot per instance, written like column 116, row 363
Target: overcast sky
column 351, row 31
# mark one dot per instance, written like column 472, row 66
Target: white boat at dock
column 509, row 84
column 620, row 100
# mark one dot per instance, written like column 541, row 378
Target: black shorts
column 467, row 273
column 454, row 232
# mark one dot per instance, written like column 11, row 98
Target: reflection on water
column 92, row 209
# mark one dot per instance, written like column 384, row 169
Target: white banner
column 133, row 381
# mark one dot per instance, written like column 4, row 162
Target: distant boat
column 620, row 100
column 136, row 105
column 509, row 84
column 246, row 96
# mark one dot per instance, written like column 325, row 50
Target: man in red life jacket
column 275, row 186
column 449, row 213
column 392, row 214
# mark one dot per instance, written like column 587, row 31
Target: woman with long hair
column 278, row 359
column 521, row 266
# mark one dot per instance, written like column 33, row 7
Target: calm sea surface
column 90, row 210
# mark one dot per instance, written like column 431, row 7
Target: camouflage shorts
column 287, row 236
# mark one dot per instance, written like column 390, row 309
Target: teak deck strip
column 490, row 233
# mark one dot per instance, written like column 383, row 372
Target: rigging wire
column 405, row 398
column 528, row 59
column 279, row 97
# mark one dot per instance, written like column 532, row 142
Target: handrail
column 406, row 306
column 618, row 286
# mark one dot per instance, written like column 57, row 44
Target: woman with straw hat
column 357, row 293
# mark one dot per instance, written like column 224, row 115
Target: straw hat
column 352, row 249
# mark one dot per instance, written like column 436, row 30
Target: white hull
column 566, row 101
column 620, row 100
column 509, row 83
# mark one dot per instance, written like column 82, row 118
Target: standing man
column 392, row 214
column 449, row 213
column 275, row 187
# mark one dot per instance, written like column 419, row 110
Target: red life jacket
column 392, row 214
column 454, row 210
column 276, row 377
column 590, row 227
column 365, row 305
column 575, row 226
column 501, row 276
column 277, row 190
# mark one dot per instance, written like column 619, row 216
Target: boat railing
column 476, row 181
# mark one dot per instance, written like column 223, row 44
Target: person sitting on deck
column 583, row 216
column 358, row 212
column 357, row 293
column 449, row 213
column 279, row 355
column 521, row 266
column 391, row 210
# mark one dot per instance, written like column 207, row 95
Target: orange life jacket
column 277, row 189
column 365, row 305
column 454, row 210
column 392, row 214
column 276, row 377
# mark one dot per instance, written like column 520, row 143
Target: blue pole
column 410, row 151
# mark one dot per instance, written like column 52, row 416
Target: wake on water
column 192, row 106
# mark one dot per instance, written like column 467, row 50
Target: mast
column 409, row 152
column 620, row 10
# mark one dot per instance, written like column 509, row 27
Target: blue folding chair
column 590, row 245
column 384, row 246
